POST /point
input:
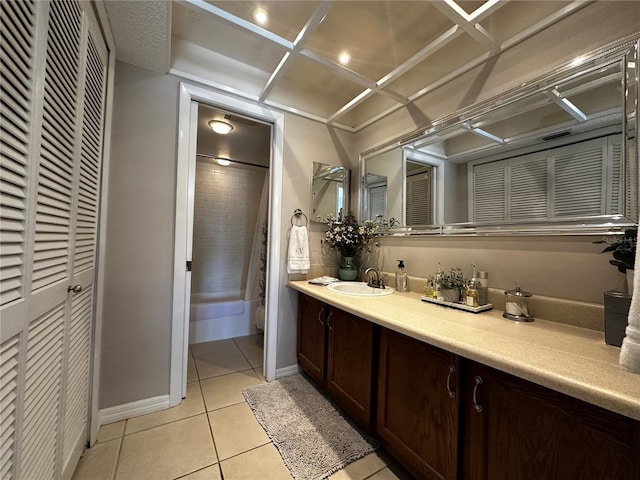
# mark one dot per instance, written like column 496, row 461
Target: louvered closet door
column 51, row 138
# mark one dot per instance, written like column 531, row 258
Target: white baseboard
column 133, row 409
column 287, row 371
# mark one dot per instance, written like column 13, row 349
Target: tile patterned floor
column 212, row 434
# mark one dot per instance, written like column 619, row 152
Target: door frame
column 180, row 319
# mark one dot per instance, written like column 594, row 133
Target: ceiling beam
column 454, row 32
column 419, row 57
column 512, row 42
column 355, row 76
column 240, row 22
column 457, row 15
column 566, row 105
column 291, row 48
column 316, row 19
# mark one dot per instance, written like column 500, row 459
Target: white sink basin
column 358, row 289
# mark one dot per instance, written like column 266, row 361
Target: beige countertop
column 571, row 360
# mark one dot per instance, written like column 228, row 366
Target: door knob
column 74, row 288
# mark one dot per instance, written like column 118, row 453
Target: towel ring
column 297, row 213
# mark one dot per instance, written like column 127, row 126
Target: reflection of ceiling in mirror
column 586, row 103
column 328, row 172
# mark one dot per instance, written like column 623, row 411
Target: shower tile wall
column 226, row 207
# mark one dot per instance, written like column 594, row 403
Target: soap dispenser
column 402, row 281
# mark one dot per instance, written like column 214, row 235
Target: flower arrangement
column 623, row 250
column 347, row 236
column 452, row 280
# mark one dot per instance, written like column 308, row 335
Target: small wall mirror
column 329, row 192
column 557, row 155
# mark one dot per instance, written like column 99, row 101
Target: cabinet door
column 312, row 337
column 350, row 364
column 519, row 430
column 418, row 404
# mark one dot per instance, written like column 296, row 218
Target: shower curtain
column 257, row 274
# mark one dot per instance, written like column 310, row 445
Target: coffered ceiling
column 399, row 50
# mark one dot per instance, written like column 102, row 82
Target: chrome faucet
column 374, row 278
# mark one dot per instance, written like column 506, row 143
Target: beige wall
column 305, row 142
column 139, row 247
column 568, row 267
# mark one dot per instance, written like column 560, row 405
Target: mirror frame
column 617, row 51
column 345, row 192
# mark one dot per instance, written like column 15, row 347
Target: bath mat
column 312, row 436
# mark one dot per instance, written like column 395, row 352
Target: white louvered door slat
column 528, row 197
column 489, row 194
column 419, row 204
column 55, row 173
column 87, row 198
column 8, row 404
column 86, row 204
column 17, row 19
column 77, row 375
column 579, row 183
column 41, row 396
column 631, row 179
column 52, row 93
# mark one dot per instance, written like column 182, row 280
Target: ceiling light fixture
column 223, row 161
column 220, row 127
column 344, row 58
column 261, row 16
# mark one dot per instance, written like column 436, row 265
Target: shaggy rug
column 312, row 436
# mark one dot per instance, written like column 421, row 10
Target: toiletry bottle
column 402, row 281
column 482, row 284
column 428, row 288
column 436, row 291
column 472, row 294
column 474, row 275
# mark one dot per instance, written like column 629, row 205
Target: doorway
column 190, row 98
column 230, row 227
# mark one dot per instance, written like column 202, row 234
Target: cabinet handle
column 320, row 313
column 478, row 407
column 74, row 288
column 329, row 320
column 452, row 370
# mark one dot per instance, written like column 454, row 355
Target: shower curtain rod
column 214, row 157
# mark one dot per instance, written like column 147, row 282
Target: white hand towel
column 630, row 351
column 298, row 258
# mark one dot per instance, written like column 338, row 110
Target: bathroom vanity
column 473, row 396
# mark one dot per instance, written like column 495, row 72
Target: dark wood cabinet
column 418, row 405
column 446, row 417
column 336, row 349
column 515, row 429
column 350, row 364
column 312, row 337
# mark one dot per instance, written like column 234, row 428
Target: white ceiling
column 400, row 50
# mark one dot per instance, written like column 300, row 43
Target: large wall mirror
column 329, row 192
column 558, row 154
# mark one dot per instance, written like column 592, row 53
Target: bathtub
column 217, row 316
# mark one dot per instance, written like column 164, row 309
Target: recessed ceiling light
column 261, row 16
column 223, row 161
column 220, row 127
column 344, row 58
